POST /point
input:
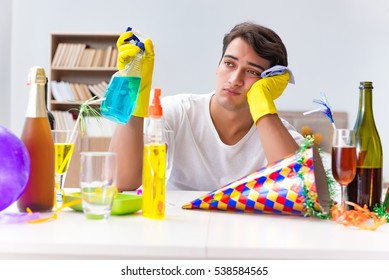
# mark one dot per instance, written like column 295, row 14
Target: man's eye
column 228, row 64
column 254, row 73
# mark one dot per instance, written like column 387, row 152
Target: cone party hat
column 282, row 188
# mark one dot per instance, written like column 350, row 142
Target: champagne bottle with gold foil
column 366, row 188
column 36, row 135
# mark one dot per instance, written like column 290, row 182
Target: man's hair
column 264, row 41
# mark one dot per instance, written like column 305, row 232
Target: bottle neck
column 36, row 107
column 154, row 131
column 366, row 98
column 365, row 110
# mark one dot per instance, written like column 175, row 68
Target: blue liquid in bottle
column 120, row 98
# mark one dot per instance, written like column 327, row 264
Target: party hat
column 283, row 187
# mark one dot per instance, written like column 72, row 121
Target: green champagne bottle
column 366, row 188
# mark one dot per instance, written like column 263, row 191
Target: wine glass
column 64, row 141
column 344, row 159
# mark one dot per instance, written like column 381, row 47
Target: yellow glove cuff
column 262, row 94
column 142, row 102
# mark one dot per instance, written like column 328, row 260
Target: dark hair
column 265, row 42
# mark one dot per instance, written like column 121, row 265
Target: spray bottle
column 123, row 88
column 154, row 161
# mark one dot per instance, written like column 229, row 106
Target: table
column 190, row 234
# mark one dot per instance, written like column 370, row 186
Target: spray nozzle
column 155, row 108
column 136, row 38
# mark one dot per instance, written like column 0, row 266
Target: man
column 218, row 137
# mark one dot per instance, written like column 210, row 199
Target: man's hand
column 263, row 92
column 127, row 52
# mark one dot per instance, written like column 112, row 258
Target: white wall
column 5, row 50
column 332, row 45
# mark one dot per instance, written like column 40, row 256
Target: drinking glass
column 98, row 183
column 64, row 141
column 344, row 159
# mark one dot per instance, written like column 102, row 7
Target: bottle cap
column 136, row 38
column 155, row 108
column 366, row 84
column 36, row 75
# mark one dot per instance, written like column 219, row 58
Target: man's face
column 238, row 70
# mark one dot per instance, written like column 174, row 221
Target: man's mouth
column 231, row 91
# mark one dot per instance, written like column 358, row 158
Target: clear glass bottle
column 154, row 162
column 36, row 135
column 366, row 188
column 123, row 88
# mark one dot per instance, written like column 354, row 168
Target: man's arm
column 276, row 139
column 127, row 142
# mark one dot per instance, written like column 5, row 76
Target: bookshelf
column 81, row 65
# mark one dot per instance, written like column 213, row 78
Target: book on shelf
column 63, row 120
column 114, row 57
column 84, row 57
column 85, row 92
column 81, row 55
column 67, row 55
column 96, row 62
column 77, row 55
column 58, row 55
column 81, row 92
column 91, row 55
column 55, row 91
column 77, row 94
column 97, row 89
column 67, row 92
column 107, row 56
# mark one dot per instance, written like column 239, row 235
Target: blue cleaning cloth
column 277, row 70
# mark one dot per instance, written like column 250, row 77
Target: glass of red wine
column 344, row 159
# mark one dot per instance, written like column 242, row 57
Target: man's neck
column 231, row 126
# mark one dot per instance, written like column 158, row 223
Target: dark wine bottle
column 366, row 188
column 50, row 115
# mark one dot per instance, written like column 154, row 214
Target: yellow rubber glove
column 263, row 92
column 126, row 53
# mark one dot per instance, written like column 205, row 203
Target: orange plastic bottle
column 39, row 193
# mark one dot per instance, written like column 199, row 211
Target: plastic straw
column 84, row 109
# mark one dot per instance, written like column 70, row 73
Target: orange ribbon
column 359, row 217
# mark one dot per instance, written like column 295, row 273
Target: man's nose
column 236, row 79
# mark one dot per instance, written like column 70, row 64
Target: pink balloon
column 14, row 167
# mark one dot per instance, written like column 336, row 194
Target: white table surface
column 190, row 234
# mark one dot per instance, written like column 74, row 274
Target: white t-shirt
column 200, row 160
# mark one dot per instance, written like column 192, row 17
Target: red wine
column 366, row 188
column 344, row 161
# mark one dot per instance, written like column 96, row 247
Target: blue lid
column 136, row 40
column 141, row 45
